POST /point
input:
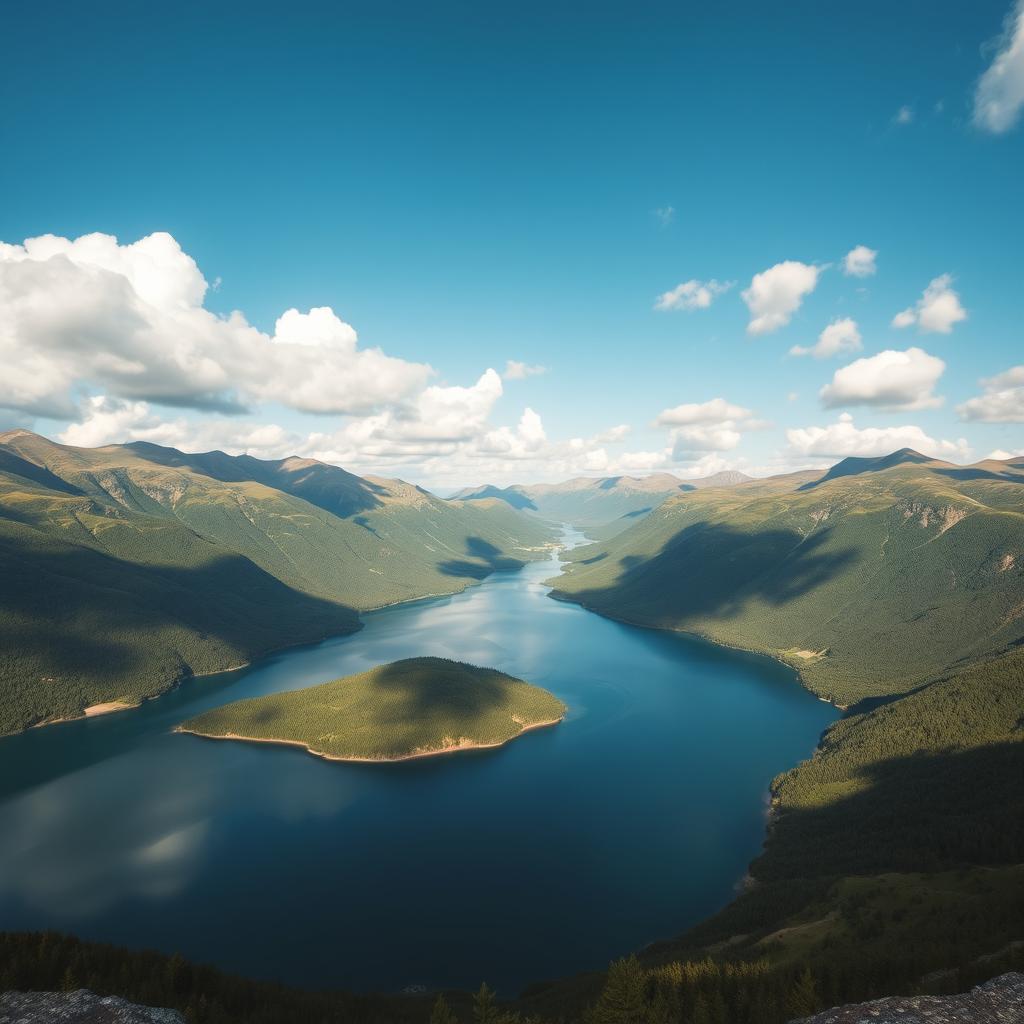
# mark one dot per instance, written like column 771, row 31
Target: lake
column 630, row 821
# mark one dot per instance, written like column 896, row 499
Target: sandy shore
column 105, row 709
column 462, row 745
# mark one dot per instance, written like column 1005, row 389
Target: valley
column 130, row 568
column 890, row 587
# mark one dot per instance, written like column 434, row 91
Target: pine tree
column 484, row 1010
column 802, row 998
column 622, row 1001
column 701, row 1011
column 442, row 1012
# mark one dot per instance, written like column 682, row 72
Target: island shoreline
column 369, row 760
column 188, row 676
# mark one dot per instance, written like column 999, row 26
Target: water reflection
column 632, row 819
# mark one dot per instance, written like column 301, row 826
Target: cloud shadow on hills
column 483, row 559
column 328, row 487
column 709, row 569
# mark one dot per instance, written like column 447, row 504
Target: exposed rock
column 999, row 1001
column 81, row 1007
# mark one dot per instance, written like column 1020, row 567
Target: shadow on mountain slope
column 328, row 487
column 13, row 463
column 483, row 559
column 854, row 466
column 917, row 814
column 710, row 569
column 79, row 626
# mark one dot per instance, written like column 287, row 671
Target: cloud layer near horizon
column 108, row 336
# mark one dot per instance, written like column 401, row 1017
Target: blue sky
column 468, row 184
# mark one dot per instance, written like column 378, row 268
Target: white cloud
column 702, row 427
column 843, row 438
column 665, row 215
column 717, row 410
column 527, row 439
column 108, row 420
column 936, row 311
column 999, row 95
column 860, row 262
column 838, row 338
column 904, row 115
column 515, row 370
column 691, row 295
column 689, row 442
column 775, row 294
column 1002, row 400
column 889, row 380
column 129, row 320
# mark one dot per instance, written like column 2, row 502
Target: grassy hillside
column 603, row 506
column 408, row 708
column 126, row 568
column 870, row 580
column 895, row 856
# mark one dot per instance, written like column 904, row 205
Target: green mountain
column 602, row 506
column 871, row 579
column 127, row 568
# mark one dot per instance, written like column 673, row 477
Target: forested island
column 417, row 707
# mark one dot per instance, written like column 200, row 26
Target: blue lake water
column 631, row 820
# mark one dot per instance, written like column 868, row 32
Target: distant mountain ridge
column 869, row 578
column 126, row 568
column 611, row 503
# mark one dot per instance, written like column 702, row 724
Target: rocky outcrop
column 81, row 1007
column 999, row 1001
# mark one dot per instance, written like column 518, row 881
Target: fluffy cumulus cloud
column 844, row 438
column 107, row 420
column 838, row 338
column 444, row 437
column 999, row 96
column 889, row 380
column 129, row 320
column 691, row 295
column 860, row 261
column 698, row 428
column 716, row 410
column 775, row 294
column 1002, row 400
column 109, row 335
column 937, row 311
column 515, row 370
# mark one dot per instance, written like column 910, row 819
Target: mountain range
column 127, row 568
column 603, row 506
column 870, row 579
column 893, row 585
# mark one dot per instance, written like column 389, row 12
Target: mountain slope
column 124, row 569
column 871, row 579
column 611, row 503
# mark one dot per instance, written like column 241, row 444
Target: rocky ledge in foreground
column 81, row 1007
column 999, row 1001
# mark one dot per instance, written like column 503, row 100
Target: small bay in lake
column 632, row 820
